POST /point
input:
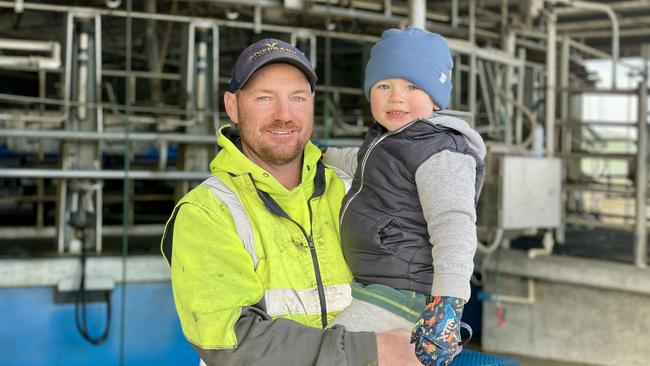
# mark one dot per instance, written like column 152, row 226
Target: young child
column 408, row 222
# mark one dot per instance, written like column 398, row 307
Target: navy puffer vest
column 383, row 230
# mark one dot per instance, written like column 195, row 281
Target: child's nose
column 395, row 95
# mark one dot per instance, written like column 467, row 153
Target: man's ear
column 230, row 102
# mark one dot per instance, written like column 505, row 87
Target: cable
column 80, row 303
column 498, row 306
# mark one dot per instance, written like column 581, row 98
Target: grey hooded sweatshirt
column 409, row 219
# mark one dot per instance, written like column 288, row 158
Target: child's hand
column 437, row 333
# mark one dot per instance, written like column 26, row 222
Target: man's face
column 274, row 114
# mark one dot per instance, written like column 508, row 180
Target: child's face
column 396, row 102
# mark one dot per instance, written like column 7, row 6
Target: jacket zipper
column 274, row 208
column 319, row 280
column 314, row 260
column 374, row 143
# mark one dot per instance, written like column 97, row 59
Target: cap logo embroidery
column 270, row 47
column 442, row 78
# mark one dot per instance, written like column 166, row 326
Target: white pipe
column 454, row 13
column 472, row 92
column 550, row 81
column 547, row 249
column 312, row 50
column 565, row 58
column 485, row 53
column 418, row 13
column 51, row 62
column 528, row 300
column 201, row 83
column 82, row 81
column 108, row 136
column 492, row 247
column 257, row 20
column 113, row 4
column 641, row 230
column 508, row 109
column 615, row 30
column 28, row 45
column 388, row 8
column 102, row 174
column 521, row 70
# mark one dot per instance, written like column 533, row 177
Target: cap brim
column 309, row 73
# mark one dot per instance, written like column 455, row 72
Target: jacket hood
column 231, row 160
column 473, row 138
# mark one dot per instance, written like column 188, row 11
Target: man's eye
column 298, row 99
column 263, row 99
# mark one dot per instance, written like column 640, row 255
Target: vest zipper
column 374, row 143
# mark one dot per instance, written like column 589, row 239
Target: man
column 258, row 275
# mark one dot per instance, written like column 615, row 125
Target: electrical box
column 530, row 192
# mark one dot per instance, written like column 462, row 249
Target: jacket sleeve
column 446, row 187
column 215, row 290
column 342, row 158
column 285, row 342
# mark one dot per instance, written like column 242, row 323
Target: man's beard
column 272, row 154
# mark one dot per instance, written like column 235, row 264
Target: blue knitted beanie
column 415, row 55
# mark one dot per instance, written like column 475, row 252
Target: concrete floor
column 571, row 301
column 528, row 361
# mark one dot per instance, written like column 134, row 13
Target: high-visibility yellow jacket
column 295, row 269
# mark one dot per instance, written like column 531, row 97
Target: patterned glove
column 437, row 333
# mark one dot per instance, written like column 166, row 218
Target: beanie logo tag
column 442, row 78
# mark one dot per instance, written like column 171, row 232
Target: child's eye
column 383, row 86
column 411, row 87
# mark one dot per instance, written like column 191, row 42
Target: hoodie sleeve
column 342, row 158
column 446, row 186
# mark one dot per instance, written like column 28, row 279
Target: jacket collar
column 231, row 160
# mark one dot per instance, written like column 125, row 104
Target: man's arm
column 258, row 332
column 215, row 289
column 263, row 341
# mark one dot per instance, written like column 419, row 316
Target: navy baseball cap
column 265, row 52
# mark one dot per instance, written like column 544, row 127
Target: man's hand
column 394, row 348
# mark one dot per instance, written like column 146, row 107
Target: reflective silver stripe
column 345, row 177
column 230, row 199
column 282, row 301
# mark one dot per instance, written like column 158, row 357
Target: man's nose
column 282, row 111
